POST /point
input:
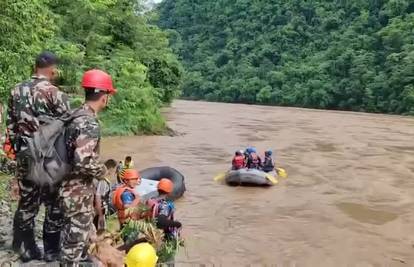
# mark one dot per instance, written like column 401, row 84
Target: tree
column 351, row 55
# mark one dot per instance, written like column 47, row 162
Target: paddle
column 281, row 172
column 220, row 176
column 272, row 179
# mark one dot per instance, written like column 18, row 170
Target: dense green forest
column 114, row 35
column 337, row 54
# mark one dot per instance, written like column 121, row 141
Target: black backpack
column 47, row 151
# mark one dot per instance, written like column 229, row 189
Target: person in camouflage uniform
column 30, row 99
column 77, row 191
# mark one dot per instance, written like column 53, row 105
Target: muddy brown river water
column 348, row 200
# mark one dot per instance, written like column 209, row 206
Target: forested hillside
column 114, row 35
column 350, row 55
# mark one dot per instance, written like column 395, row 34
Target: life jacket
column 238, row 162
column 119, row 205
column 268, row 164
column 254, row 160
column 124, row 166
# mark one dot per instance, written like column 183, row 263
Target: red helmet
column 97, row 79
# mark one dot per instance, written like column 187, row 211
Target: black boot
column 51, row 244
column 30, row 249
column 17, row 240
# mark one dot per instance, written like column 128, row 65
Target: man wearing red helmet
column 77, row 191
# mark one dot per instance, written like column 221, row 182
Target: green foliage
column 351, row 55
column 166, row 248
column 20, row 40
column 114, row 35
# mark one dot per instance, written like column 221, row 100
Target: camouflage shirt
column 85, row 132
column 31, row 99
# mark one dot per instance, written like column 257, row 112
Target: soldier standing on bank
column 77, row 191
column 29, row 100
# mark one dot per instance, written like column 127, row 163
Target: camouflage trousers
column 31, row 197
column 77, row 202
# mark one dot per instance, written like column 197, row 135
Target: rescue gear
column 238, row 162
column 253, row 161
column 281, row 172
column 48, row 152
column 130, row 174
column 268, row 164
column 119, row 205
column 141, row 255
column 165, row 185
column 98, row 80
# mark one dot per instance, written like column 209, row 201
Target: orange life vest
column 119, row 205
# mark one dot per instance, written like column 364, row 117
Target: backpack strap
column 69, row 117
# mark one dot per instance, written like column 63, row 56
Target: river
column 348, row 200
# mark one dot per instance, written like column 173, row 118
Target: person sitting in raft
column 253, row 161
column 162, row 210
column 268, row 162
column 102, row 195
column 247, row 153
column 125, row 196
column 238, row 161
column 128, row 163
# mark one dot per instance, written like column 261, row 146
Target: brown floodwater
column 348, row 200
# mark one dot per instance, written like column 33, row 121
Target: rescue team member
column 253, row 160
column 238, row 161
column 125, row 196
column 268, row 162
column 163, row 210
column 102, row 195
column 128, row 163
column 30, row 99
column 77, row 190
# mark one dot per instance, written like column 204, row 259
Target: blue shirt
column 127, row 197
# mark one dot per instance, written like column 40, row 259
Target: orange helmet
column 129, row 174
column 165, row 185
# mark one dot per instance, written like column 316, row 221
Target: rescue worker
column 125, row 196
column 163, row 209
column 102, row 195
column 253, row 160
column 128, row 163
column 238, row 161
column 77, row 190
column 268, row 162
column 29, row 100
